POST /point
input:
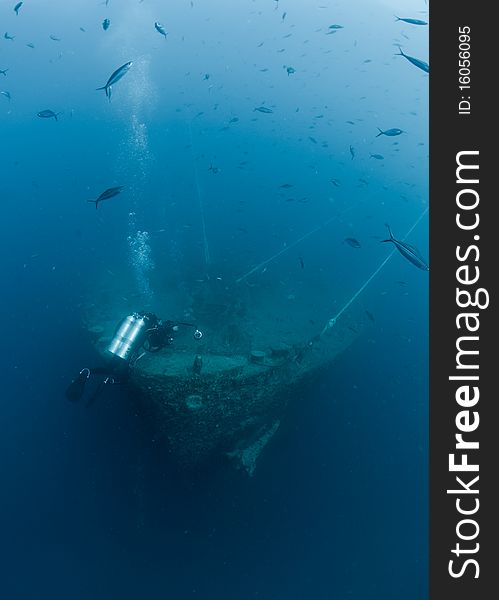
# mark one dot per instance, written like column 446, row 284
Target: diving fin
column 76, row 388
column 98, row 390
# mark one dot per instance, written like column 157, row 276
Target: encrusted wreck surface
column 226, row 394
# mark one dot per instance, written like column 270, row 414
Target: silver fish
column 352, row 242
column 264, row 109
column 109, row 193
column 6, row 94
column 409, row 252
column 390, row 132
column 160, row 29
column 420, row 64
column 47, row 114
column 115, row 77
column 411, row 21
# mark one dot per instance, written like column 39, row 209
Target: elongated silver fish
column 17, row 7
column 409, row 252
column 115, row 77
column 411, row 21
column 420, row 64
column 109, row 193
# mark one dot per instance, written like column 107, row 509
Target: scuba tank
column 130, row 335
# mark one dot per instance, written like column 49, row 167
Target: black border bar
column 463, row 511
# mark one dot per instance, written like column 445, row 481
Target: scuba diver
column 136, row 334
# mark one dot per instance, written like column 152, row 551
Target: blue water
column 89, row 506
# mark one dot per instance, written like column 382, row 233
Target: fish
column 105, row 24
column 160, row 29
column 287, row 185
column 83, row 29
column 335, row 26
column 390, row 132
column 7, row 95
column 3, row 72
column 234, row 120
column 115, row 77
column 54, row 38
column 312, row 139
column 17, row 7
column 420, row 64
column 290, row 70
column 47, row 114
column 7, row 36
column 335, row 182
column 302, row 264
column 411, row 21
column 352, row 152
column 352, row 242
column 370, row 316
column 214, row 170
column 264, row 109
column 377, row 156
column 30, row 45
column 409, row 252
column 109, row 193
